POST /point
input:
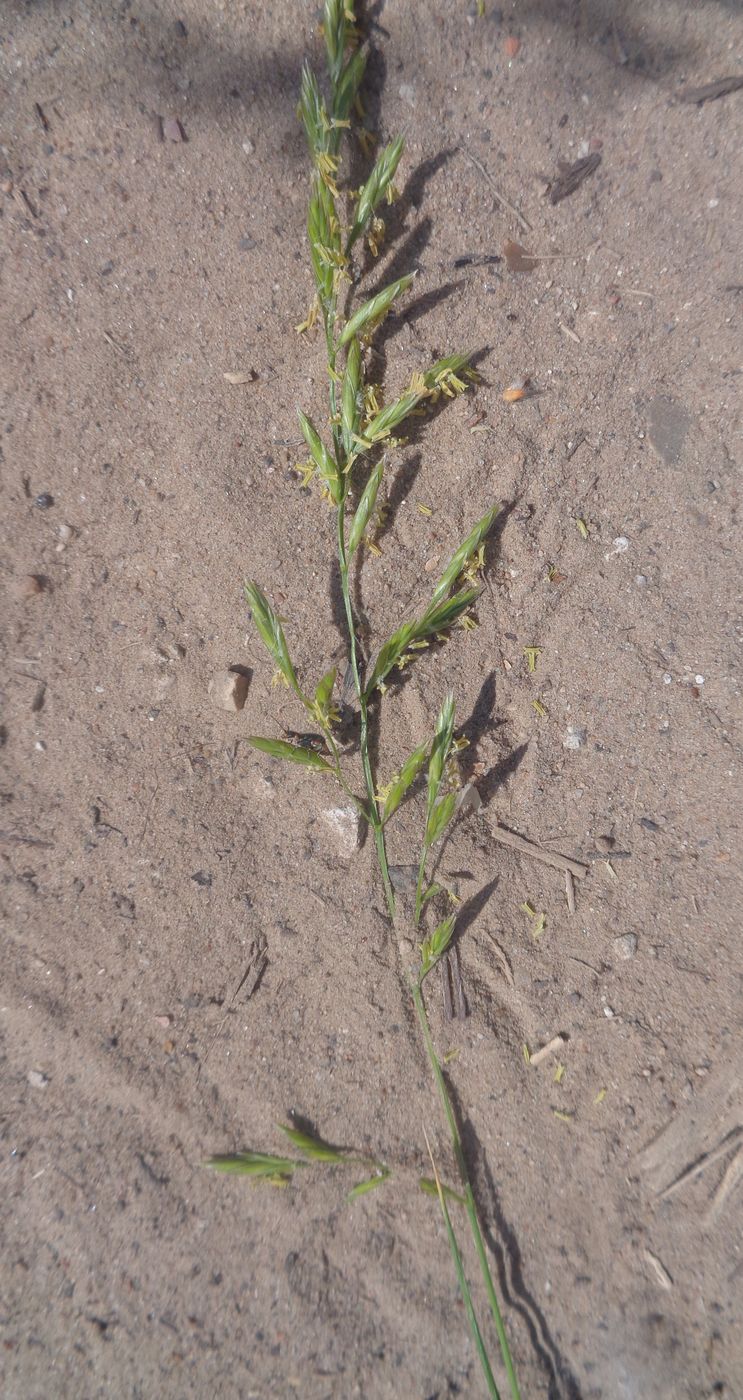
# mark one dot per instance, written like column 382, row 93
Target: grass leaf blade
column 428, row 1185
column 364, row 510
column 324, row 691
column 434, row 947
column 272, row 635
column 440, row 817
column 258, row 1164
column 371, row 1184
column 279, row 748
column 324, row 461
column 314, row 1148
column 440, row 749
column 376, row 187
column 459, row 558
column 371, row 313
column 390, row 654
column 312, row 111
column 404, row 780
column 351, row 395
column 348, row 84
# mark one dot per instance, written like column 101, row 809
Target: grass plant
column 348, row 462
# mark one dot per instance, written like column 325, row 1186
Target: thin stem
column 464, row 1289
column 373, row 814
column 490, row 1290
column 470, row 1206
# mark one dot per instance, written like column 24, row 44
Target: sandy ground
column 148, row 854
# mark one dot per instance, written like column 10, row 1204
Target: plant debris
column 571, row 177
column 517, row 258
column 477, row 260
column 709, row 92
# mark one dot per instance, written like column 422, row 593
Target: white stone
column 344, row 824
column 575, row 737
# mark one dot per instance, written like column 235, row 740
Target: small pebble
column 575, row 738
column 30, row 586
column 608, row 1012
column 407, row 93
column 626, row 945
column 172, row 130
column 604, row 844
column 44, row 501
column 699, row 680
column 164, row 1021
column 36, row 1079
column 248, row 147
column 344, row 823
column 511, row 46
column 229, row 690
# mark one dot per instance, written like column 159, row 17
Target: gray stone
column 625, row 946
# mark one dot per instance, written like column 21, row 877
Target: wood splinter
column 519, row 843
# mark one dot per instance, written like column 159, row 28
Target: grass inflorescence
column 348, row 460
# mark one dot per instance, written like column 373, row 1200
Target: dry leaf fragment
column 572, row 176
column 517, row 258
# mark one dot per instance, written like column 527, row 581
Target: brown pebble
column 511, row 46
column 30, row 586
column 168, row 1046
column 229, row 689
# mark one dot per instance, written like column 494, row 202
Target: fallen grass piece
column 556, row 1043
